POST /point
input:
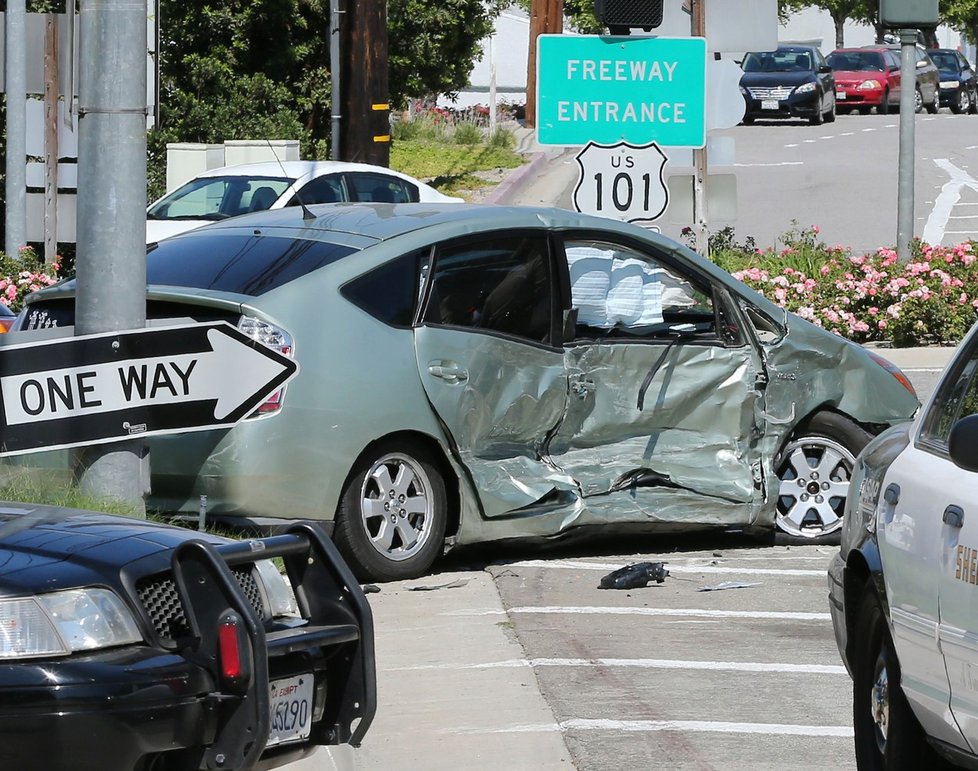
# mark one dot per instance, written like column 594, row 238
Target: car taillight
column 894, row 370
column 6, row 322
column 234, row 652
column 275, row 337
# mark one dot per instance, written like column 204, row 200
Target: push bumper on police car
column 132, row 645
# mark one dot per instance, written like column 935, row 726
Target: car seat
column 801, row 61
column 382, row 194
column 262, row 199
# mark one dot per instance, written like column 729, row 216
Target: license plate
column 769, row 104
column 840, row 94
column 290, row 708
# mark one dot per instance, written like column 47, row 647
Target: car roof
column 384, row 221
column 293, row 169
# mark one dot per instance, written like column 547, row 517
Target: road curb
column 516, row 178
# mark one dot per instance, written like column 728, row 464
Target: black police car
column 126, row 644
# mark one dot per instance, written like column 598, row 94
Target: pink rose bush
column 930, row 299
column 22, row 275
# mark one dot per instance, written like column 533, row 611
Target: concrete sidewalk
column 437, row 710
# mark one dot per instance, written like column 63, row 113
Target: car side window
column 621, row 293
column 328, row 189
column 499, row 284
column 389, row 292
column 379, row 188
column 956, row 399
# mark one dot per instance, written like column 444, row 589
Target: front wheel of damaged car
column 813, row 470
column 391, row 520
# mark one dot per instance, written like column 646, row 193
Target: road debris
column 635, row 576
column 728, row 585
column 456, row 584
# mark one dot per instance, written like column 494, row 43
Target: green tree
column 841, row 11
column 961, row 15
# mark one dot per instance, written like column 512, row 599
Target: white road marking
column 922, row 369
column 672, row 568
column 810, row 141
column 792, row 145
column 758, row 165
column 650, row 726
column 866, row 131
column 847, row 133
column 963, row 217
column 586, row 610
column 950, row 194
column 711, row 666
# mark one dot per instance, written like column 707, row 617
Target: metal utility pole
column 111, row 258
column 15, row 216
column 336, row 13
column 905, row 177
column 366, row 108
column 50, row 138
column 546, row 18
column 700, row 170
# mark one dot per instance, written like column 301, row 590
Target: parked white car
column 232, row 190
column 904, row 587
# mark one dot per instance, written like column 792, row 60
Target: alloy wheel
column 396, row 505
column 879, row 701
column 814, row 473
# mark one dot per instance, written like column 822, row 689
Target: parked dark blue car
column 958, row 82
column 794, row 81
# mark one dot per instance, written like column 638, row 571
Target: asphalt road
column 841, row 177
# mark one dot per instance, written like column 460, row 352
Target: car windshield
column 782, row 60
column 216, row 198
column 945, row 60
column 243, row 264
column 856, row 61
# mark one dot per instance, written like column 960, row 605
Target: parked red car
column 865, row 78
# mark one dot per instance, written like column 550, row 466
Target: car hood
column 45, row 548
column 859, row 75
column 776, row 78
column 157, row 230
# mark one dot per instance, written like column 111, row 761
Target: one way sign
column 102, row 388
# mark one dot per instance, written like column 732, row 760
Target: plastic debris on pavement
column 456, row 584
column 634, row 576
column 727, row 585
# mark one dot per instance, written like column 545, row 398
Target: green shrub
column 467, row 134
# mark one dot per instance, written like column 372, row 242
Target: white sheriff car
column 903, row 590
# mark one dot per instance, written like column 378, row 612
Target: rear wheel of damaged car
column 390, row 524
column 887, row 734
column 814, row 469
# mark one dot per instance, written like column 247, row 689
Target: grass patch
column 31, row 490
column 446, row 164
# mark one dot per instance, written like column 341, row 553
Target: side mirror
column 962, row 443
column 825, row 68
column 921, row 63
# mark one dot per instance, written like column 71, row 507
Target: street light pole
column 15, row 213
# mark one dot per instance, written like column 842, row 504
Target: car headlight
column 278, row 590
column 950, row 84
column 804, row 88
column 866, row 85
column 60, row 623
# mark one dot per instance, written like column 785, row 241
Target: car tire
column 973, row 103
column 888, row 735
column 830, row 115
column 918, row 100
column 748, row 121
column 819, row 117
column 962, row 102
column 884, row 106
column 814, row 468
column 382, row 540
column 935, row 105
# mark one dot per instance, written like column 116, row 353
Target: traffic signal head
column 621, row 15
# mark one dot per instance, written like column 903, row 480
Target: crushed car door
column 664, row 390
column 485, row 352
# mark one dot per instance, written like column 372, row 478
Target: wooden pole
column 546, row 18
column 365, row 137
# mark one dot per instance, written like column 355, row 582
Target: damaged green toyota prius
column 478, row 373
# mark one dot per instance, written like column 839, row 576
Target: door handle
column 448, row 371
column 954, row 516
column 892, row 494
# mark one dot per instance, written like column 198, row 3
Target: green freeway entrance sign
column 621, row 89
